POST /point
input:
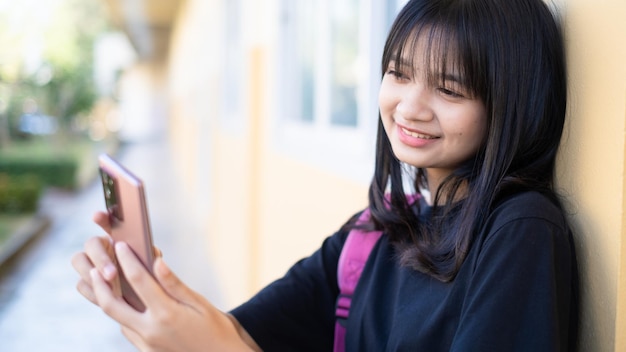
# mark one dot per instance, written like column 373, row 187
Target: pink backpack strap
column 353, row 257
column 356, row 250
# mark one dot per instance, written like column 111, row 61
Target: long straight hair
column 511, row 56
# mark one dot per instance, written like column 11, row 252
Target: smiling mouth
column 417, row 135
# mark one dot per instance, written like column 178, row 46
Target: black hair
column 511, row 56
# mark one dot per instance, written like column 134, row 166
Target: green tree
column 49, row 55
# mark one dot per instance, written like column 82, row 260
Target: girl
column 472, row 107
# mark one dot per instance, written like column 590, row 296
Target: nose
column 415, row 103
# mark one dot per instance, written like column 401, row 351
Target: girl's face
column 432, row 125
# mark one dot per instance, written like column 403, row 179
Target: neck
column 435, row 179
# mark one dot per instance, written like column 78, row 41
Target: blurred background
column 252, row 123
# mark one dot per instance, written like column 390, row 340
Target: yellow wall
column 232, row 235
column 267, row 210
column 299, row 207
column 592, row 165
column 295, row 205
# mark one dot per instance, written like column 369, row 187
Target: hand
column 176, row 318
column 102, row 219
column 99, row 254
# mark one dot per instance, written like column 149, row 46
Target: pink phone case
column 128, row 213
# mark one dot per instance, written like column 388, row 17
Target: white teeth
column 416, row 135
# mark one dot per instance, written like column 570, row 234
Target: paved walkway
column 40, row 309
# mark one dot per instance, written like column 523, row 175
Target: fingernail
column 109, row 271
column 93, row 273
column 119, row 245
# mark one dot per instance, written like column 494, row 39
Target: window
column 322, row 53
column 344, row 55
column 330, row 74
column 303, row 44
column 231, row 117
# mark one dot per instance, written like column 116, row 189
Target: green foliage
column 70, row 93
column 54, row 162
column 19, row 194
column 67, row 163
column 60, row 172
column 62, row 84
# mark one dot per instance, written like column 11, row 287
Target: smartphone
column 125, row 199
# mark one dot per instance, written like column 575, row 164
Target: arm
column 297, row 312
column 176, row 317
column 244, row 334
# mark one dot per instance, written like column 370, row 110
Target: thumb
column 171, row 284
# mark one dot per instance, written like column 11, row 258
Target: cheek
column 386, row 97
column 385, row 109
column 468, row 132
column 480, row 128
column 475, row 126
column 382, row 102
column 475, row 134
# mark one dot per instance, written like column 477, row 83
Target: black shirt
column 516, row 291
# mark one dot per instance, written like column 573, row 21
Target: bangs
column 442, row 52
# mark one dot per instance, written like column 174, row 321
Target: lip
column 415, row 138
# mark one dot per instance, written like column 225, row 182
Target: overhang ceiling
column 147, row 23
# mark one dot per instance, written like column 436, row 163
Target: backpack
column 354, row 254
column 352, row 260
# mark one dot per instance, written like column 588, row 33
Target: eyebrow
column 402, row 62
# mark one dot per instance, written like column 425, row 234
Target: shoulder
column 525, row 217
column 531, row 206
column 525, row 230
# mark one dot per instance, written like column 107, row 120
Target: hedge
column 59, row 172
column 19, row 194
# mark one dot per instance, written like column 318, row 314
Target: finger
column 140, row 279
column 100, row 253
column 85, row 289
column 157, row 252
column 102, row 219
column 82, row 265
column 114, row 306
column 172, row 285
column 134, row 338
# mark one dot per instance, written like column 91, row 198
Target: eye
column 450, row 93
column 397, row 74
